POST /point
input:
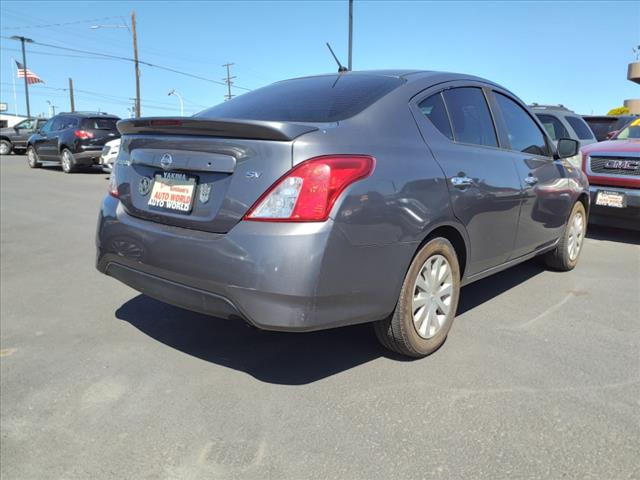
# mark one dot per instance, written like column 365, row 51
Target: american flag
column 31, row 77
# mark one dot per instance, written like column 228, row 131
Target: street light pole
column 174, row 93
column 24, row 65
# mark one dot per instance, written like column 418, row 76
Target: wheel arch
column 456, row 235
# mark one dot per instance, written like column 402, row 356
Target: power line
column 148, row 64
column 52, row 25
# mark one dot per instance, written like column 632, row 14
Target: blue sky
column 574, row 53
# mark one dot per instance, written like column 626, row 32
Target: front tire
column 32, row 158
column 5, row 147
column 67, row 161
column 566, row 254
column 427, row 304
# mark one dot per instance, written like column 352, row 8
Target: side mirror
column 612, row 134
column 568, row 147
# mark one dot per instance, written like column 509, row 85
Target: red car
column 613, row 169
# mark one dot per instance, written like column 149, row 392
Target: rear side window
column 470, row 116
column 433, row 108
column 580, row 127
column 524, row 135
column 553, row 126
column 328, row 98
column 99, row 123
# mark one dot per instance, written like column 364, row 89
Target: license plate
column 172, row 192
column 611, row 199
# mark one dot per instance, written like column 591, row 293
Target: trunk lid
column 223, row 166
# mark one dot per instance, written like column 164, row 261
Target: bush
column 619, row 111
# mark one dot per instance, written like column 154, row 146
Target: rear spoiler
column 250, row 129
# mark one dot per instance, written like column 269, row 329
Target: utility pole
column 135, row 60
column 52, row 109
column 350, row 33
column 228, row 81
column 24, row 65
column 71, row 100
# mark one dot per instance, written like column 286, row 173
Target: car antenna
column 341, row 68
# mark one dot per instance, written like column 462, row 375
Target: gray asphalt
column 539, row 378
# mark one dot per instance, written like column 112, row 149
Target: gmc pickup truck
column 613, row 169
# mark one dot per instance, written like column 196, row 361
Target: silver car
column 338, row 199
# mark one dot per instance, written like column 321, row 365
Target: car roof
column 89, row 114
column 406, row 74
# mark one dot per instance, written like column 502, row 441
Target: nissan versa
column 339, row 199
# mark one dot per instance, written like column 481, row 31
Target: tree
column 619, row 111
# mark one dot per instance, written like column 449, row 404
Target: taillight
column 307, row 193
column 113, row 183
column 83, row 134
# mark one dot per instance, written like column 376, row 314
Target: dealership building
column 633, row 74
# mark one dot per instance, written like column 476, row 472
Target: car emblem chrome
column 253, row 174
column 622, row 165
column 166, row 161
column 144, row 187
column 205, row 192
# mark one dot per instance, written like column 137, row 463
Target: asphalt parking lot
column 539, row 378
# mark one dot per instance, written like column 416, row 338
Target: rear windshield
column 601, row 126
column 328, row 98
column 99, row 123
column 580, row 127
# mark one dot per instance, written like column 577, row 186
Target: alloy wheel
column 432, row 292
column 4, row 148
column 66, row 161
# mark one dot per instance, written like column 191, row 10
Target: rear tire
column 566, row 254
column 67, row 161
column 427, row 304
column 5, row 147
column 32, row 158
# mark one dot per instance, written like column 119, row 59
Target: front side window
column 47, row 126
column 580, row 127
column 630, row 131
column 553, row 126
column 470, row 116
column 523, row 133
column 26, row 124
column 433, row 108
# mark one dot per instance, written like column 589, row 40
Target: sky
column 572, row 53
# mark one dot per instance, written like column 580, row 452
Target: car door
column 23, row 131
column 48, row 147
column 546, row 198
column 484, row 186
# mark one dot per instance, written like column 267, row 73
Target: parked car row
column 72, row 139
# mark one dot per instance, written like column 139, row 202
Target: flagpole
column 24, row 40
column 13, row 78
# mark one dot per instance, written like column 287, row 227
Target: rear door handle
column 530, row 180
column 461, row 182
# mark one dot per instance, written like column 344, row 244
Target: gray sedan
column 338, row 199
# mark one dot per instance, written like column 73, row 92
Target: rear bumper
column 276, row 276
column 628, row 217
column 87, row 155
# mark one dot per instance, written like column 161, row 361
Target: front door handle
column 461, row 182
column 530, row 180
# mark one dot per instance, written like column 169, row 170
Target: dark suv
column 73, row 139
column 13, row 139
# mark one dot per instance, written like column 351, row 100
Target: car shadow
column 286, row 358
column 612, row 234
